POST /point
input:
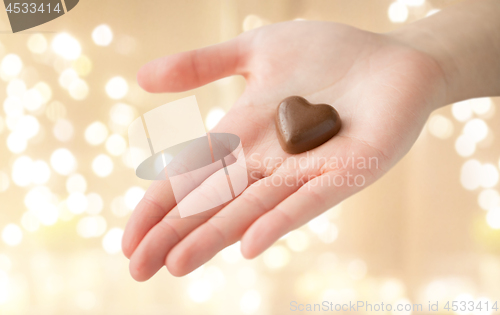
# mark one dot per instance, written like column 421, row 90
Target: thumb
column 191, row 69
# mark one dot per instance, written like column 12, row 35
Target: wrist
column 465, row 44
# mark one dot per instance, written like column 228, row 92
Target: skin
column 383, row 85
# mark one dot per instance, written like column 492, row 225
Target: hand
column 383, row 89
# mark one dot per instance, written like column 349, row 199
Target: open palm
column 383, row 90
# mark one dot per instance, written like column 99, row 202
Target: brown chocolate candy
column 302, row 126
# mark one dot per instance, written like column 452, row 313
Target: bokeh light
column 37, row 43
column 102, row 165
column 11, row 65
column 96, row 133
column 63, row 161
column 133, row 196
column 397, row 12
column 112, row 241
column 63, row 130
column 102, row 35
column 66, row 46
column 12, row 234
column 213, row 117
column 117, row 88
column 440, row 126
column 76, row 183
column 116, row 145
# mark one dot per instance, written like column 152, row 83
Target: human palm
column 383, row 90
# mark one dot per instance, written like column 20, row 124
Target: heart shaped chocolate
column 302, row 126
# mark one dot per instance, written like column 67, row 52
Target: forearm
column 465, row 42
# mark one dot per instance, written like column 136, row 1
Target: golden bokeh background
column 428, row 230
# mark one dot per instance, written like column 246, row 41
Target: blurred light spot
column 397, row 12
column 4, row 182
column 213, row 117
column 91, row 226
column 96, row 133
column 462, row 111
column 465, row 145
column 276, row 257
column 232, row 253
column 252, row 22
column 66, row 46
column 116, row 145
column 16, row 88
column 329, row 235
column 133, row 196
column 102, row 165
column 37, row 43
column 63, row 130
column 489, row 175
column 30, row 222
column 41, row 172
column 76, row 183
column 21, row 171
column 247, row 276
column 357, row 269
column 440, row 126
column 476, row 129
column 412, row 3
column 297, row 241
column 112, row 241
column 32, row 99
column 44, row 90
column 471, row 174
column 78, row 89
column 67, row 77
column 392, row 289
column 2, row 125
column 116, row 88
column 432, row 12
column 86, row 300
column 489, row 199
column 82, row 65
column 16, row 143
column 125, row 44
column 77, row 202
column 250, row 302
column 319, row 224
column 13, row 106
column 55, row 111
column 481, row 106
column 200, row 291
column 11, row 65
column 122, row 114
column 463, row 299
column 102, row 35
column 40, row 202
column 118, row 207
column 28, row 126
column 63, row 161
column 95, row 204
column 12, row 234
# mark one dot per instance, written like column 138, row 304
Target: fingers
column 229, row 225
column 312, row 199
column 156, row 203
column 191, row 69
column 150, row 254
